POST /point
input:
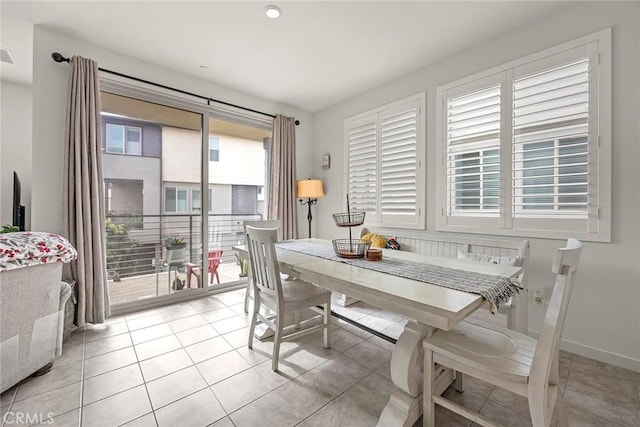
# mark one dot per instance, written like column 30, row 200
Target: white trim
column 417, row 221
column 604, row 356
column 597, row 226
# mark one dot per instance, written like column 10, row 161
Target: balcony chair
column 506, row 358
column 279, row 294
column 215, row 256
column 259, row 224
column 193, row 269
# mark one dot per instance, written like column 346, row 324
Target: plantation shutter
column 398, row 162
column 551, row 142
column 385, row 177
column 362, row 155
column 473, row 152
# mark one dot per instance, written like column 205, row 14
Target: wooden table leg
column 405, row 404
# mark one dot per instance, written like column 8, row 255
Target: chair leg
column 327, row 325
column 247, row 295
column 296, row 319
column 254, row 318
column 429, row 407
column 217, row 277
column 459, row 383
column 276, row 342
column 563, row 421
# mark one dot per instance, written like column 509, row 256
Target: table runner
column 493, row 288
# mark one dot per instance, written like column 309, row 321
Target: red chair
column 214, row 262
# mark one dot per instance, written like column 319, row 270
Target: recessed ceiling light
column 273, row 11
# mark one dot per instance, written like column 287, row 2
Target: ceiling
column 316, row 54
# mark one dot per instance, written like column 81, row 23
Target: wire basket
column 349, row 219
column 348, row 248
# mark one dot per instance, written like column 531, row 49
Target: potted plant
column 9, row 229
column 242, row 262
column 175, row 243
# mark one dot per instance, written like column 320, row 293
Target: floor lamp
column 311, row 190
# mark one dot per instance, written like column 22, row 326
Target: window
column 384, row 151
column 124, row 139
column 195, row 200
column 525, row 147
column 214, row 149
column 175, row 199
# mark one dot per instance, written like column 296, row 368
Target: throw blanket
column 23, row 249
column 495, row 289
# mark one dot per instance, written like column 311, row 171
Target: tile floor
column 187, row 364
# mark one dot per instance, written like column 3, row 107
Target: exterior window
column 526, row 147
column 210, row 200
column 124, row 139
column 195, row 200
column 214, row 149
column 175, row 199
column 384, row 150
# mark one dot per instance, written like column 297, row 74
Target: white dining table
column 428, row 307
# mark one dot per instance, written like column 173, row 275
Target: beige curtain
column 282, row 176
column 83, row 198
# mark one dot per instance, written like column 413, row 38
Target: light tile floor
column 188, row 364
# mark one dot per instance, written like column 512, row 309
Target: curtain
column 83, row 191
column 282, row 176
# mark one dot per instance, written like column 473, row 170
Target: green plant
column 119, row 248
column 7, row 228
column 244, row 265
column 175, row 242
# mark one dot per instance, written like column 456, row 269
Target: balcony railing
column 135, row 243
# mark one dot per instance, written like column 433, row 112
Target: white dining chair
column 506, row 358
column 267, row 223
column 281, row 295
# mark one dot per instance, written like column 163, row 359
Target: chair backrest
column 266, row 223
column 263, row 261
column 565, row 265
column 214, row 257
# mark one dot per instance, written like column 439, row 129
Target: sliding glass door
column 169, row 230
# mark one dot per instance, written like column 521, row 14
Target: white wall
column 15, row 147
column 603, row 319
column 49, row 97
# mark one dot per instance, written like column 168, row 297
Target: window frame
column 597, row 224
column 215, row 151
column 376, row 116
column 176, row 190
column 125, row 141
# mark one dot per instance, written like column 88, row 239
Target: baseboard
column 597, row 354
column 485, row 318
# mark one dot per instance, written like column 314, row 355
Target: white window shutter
column 551, row 142
column 473, row 129
column 385, row 177
column 398, row 162
column 362, row 154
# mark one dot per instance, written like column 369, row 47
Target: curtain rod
column 57, row 57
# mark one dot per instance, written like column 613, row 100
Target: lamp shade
column 309, row 189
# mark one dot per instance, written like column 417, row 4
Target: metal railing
column 136, row 243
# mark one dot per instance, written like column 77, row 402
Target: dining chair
column 280, row 293
column 507, row 358
column 268, row 223
column 215, row 258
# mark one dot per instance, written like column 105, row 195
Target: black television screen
column 18, row 209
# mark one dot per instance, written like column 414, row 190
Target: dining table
column 427, row 306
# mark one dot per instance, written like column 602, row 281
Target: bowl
column 354, row 248
column 349, row 219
